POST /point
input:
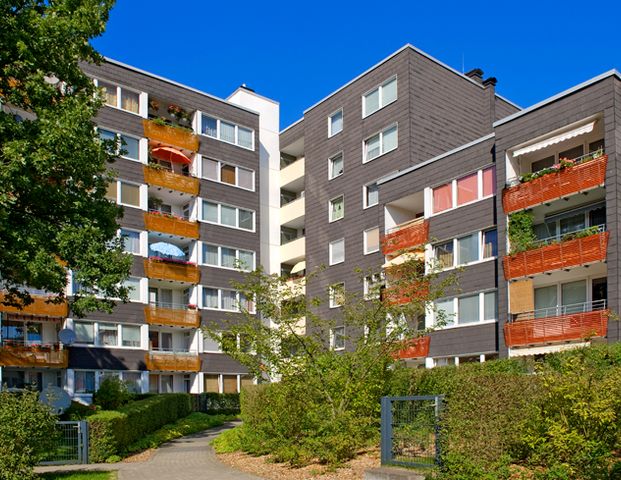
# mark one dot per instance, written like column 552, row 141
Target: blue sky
column 298, row 52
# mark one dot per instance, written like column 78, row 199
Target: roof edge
column 291, row 126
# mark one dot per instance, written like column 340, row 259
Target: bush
column 112, row 431
column 217, row 403
column 112, row 394
column 27, row 429
column 228, row 441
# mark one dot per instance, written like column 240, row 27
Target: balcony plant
column 180, row 261
column 192, row 306
column 521, row 232
column 163, row 122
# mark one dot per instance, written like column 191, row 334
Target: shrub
column 228, row 441
column 217, row 403
column 111, row 432
column 27, row 428
column 112, row 394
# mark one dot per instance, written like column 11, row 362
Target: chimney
column 246, row 87
column 475, row 74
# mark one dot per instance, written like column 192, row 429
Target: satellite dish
column 55, row 398
column 66, row 336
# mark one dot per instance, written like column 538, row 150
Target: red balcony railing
column 415, row 348
column 406, row 236
column 582, row 176
column 18, row 354
column 565, row 323
column 564, row 254
column 402, row 293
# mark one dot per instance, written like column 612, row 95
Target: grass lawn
column 80, row 476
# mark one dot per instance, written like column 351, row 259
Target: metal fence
column 411, row 430
column 70, row 444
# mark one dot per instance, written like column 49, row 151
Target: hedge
column 216, row 403
column 111, row 432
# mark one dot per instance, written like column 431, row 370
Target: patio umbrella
column 167, row 249
column 170, row 154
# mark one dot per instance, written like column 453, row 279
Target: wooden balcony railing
column 180, row 272
column 40, row 307
column 406, row 236
column 20, row 355
column 157, row 222
column 559, row 324
column 578, row 178
column 176, row 137
column 415, row 348
column 170, row 180
column 565, row 254
column 172, row 316
column 173, row 361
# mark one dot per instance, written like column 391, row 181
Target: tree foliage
column 53, row 167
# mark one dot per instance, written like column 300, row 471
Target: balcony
column 557, row 256
column 175, row 136
column 586, row 173
column 40, row 307
column 415, row 348
column 293, row 251
column 173, row 181
column 172, row 315
column 567, row 323
column 405, row 236
column 16, row 354
column 173, row 361
column 161, row 222
column 402, row 294
column 163, row 269
column 292, row 213
column 293, row 174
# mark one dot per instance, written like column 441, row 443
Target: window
column 335, row 123
column 337, row 295
column 131, row 241
column 130, row 336
column 445, row 311
column 84, row 381
column 105, row 334
column 467, row 309
column 120, row 97
column 226, row 257
column 372, row 285
column 468, row 189
column 126, row 146
column 225, row 299
column 230, row 174
column 108, row 334
column 133, row 380
column 133, row 283
column 371, row 195
column 371, row 240
column 443, row 254
column 442, row 198
column 337, row 208
column 337, row 338
column 227, row 215
column 380, row 143
column 227, row 132
column 490, row 306
column 210, row 298
column 379, row 97
column 468, row 249
column 335, row 166
column 490, row 244
column 84, row 332
column 337, row 251
column 124, row 193
column 489, row 181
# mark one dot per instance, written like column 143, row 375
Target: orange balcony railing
column 402, row 293
column 22, row 355
column 173, row 361
column 415, row 348
column 174, row 136
column 179, row 272
column 406, row 236
column 170, row 180
column 40, row 307
column 567, row 323
column 172, row 316
column 158, row 222
column 578, row 178
column 565, row 254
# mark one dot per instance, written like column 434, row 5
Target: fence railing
column 70, row 444
column 559, row 310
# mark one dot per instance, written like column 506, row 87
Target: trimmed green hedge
column 216, row 403
column 111, row 432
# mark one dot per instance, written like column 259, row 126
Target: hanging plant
column 521, row 233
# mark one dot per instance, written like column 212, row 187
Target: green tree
column 53, row 167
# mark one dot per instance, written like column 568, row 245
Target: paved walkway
column 187, row 458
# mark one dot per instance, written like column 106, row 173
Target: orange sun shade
column 170, row 154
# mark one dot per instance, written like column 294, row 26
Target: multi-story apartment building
column 410, row 157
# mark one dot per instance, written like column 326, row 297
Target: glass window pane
column 371, row 238
column 210, row 297
column 389, row 92
column 210, row 212
column 133, row 381
column 244, row 137
column 442, row 198
column 541, row 164
column 210, row 169
column 108, row 334
column 546, row 301
column 106, row 134
column 245, row 178
column 372, row 147
column 227, row 132
column 210, row 126
column 389, row 139
column 490, row 306
column 246, row 219
column 336, row 165
column 110, row 94
column 338, row 338
column 489, row 181
column 445, row 311
column 336, row 122
column 337, row 294
column 130, row 146
column 133, row 284
column 129, row 101
column 336, row 208
column 572, row 153
column 371, row 102
column 468, row 249
column 84, row 332
column 228, row 215
column 228, row 257
column 227, row 174
column 337, row 251
column 573, row 223
column 468, row 309
column 490, row 244
column 372, row 194
column 573, row 294
column 467, row 189
column 84, row 381
column 210, row 255
column 131, row 241
column 246, row 259
column 130, row 335
column 229, row 300
column 444, row 254
column 130, row 194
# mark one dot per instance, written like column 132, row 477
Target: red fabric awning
column 170, row 154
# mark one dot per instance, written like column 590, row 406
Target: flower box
column 170, row 135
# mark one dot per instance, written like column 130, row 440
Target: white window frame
column 365, row 250
column 140, row 193
column 381, row 143
column 219, row 222
column 368, row 281
column 365, row 188
column 455, row 317
column 331, row 290
column 220, row 290
column 218, row 132
column 140, row 238
column 453, row 183
column 330, row 177
column 380, row 89
column 119, row 90
column 330, row 202
column 333, row 335
column 330, row 132
column 455, row 241
column 220, row 247
column 330, row 249
column 119, row 134
column 219, row 174
column 119, row 334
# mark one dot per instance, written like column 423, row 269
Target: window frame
column 365, row 192
column 367, row 283
column 334, row 335
column 453, row 188
column 119, row 334
column 118, row 182
column 330, row 251
column 455, row 245
column 219, row 222
column 119, row 135
column 119, row 95
column 218, row 131
column 365, row 251
column 238, row 296
column 139, row 232
column 330, row 132
column 330, row 159
column 330, row 202
column 380, row 89
column 481, row 306
column 331, row 294
column 220, row 164
column 237, row 254
column 381, row 133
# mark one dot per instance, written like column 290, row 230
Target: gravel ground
column 261, row 467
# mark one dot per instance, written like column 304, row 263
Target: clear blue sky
column 297, row 52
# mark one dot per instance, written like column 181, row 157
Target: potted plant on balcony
column 192, row 306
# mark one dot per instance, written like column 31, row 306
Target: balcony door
column 599, row 293
column 546, row 301
column 574, row 297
